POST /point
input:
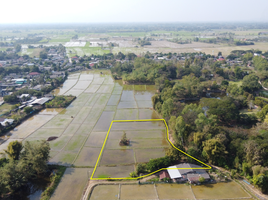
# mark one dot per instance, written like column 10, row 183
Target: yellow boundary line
column 129, row 178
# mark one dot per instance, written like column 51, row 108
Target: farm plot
column 127, row 114
column 85, row 50
column 67, row 85
column 96, row 139
column 92, row 88
column 174, row 191
column 105, row 192
column 129, row 104
column 75, row 44
column 103, row 122
column 82, row 115
column 148, row 114
column 105, row 88
column 30, row 125
column 108, row 80
column 138, row 192
column 98, row 81
column 63, row 158
column 147, row 141
column 59, row 121
column 114, row 171
column 229, row 190
column 92, row 100
column 44, row 133
column 74, row 92
column 59, row 143
column 170, row 191
column 72, row 177
column 87, row 157
column 82, row 84
column 118, row 90
column 114, row 99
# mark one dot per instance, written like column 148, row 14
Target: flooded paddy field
column 229, row 190
column 73, row 177
column 81, row 128
column 147, row 141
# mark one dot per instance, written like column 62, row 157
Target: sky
column 114, row 11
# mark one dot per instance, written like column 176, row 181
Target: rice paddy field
column 125, row 41
column 30, row 52
column 86, row 50
column 81, row 128
column 229, row 190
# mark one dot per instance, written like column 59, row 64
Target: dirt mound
column 52, row 138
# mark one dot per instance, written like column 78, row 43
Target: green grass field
column 5, row 108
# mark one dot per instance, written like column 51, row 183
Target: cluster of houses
column 185, row 172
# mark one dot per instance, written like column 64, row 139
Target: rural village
column 109, row 113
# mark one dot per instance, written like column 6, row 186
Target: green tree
column 253, row 153
column 246, row 168
column 234, row 90
column 201, row 179
column 260, row 63
column 250, row 83
column 261, row 181
column 133, row 174
column 27, row 110
column 13, row 176
column 159, row 163
column 173, row 153
column 124, row 139
column 247, row 57
column 214, row 151
column 167, row 108
column 224, row 109
column 238, row 72
column 17, row 48
column 199, row 137
column 141, row 168
column 13, row 150
column 10, row 98
column 262, row 114
column 181, row 129
column 36, row 155
column 43, row 54
column 203, row 121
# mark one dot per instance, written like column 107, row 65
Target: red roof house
column 220, row 59
column 164, row 174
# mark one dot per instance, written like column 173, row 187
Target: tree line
column 214, row 130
